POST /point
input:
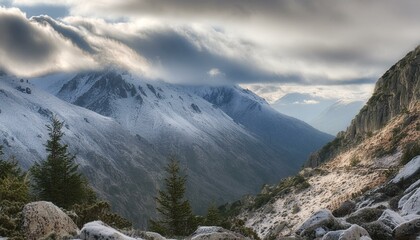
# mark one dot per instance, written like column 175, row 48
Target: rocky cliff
column 396, row 92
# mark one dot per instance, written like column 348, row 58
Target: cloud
column 28, row 48
column 214, row 72
column 323, row 42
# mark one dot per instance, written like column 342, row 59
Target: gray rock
column 333, row 235
column 378, row 230
column 407, row 230
column 321, row 219
column 355, row 232
column 409, row 170
column 413, row 187
column 41, row 219
column 391, row 218
column 215, row 233
column 412, row 205
column 97, row 230
column 364, row 215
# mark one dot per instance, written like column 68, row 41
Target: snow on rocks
column 408, row 230
column 413, row 186
column 354, row 232
column 41, row 219
column 97, row 230
column 322, row 219
column 215, row 233
column 391, row 218
column 412, row 205
column 410, row 169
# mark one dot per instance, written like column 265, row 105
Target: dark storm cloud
column 66, row 31
column 28, row 48
column 23, row 41
column 325, row 42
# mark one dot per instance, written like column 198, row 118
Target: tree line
column 57, row 179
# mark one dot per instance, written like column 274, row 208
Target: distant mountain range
column 122, row 129
column 328, row 115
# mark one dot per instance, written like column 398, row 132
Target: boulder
column 355, row 232
column 412, row 187
column 98, row 230
column 41, row 219
column 378, row 230
column 215, row 233
column 407, row 230
column 333, row 235
column 412, row 205
column 409, row 170
column 364, row 215
column 391, row 218
column 321, row 219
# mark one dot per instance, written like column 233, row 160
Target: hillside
column 135, row 124
column 381, row 139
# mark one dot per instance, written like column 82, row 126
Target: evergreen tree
column 213, row 217
column 14, row 194
column 57, row 178
column 176, row 214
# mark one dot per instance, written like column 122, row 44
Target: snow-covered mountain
column 114, row 160
column 330, row 115
column 124, row 128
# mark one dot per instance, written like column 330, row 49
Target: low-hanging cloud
column 324, row 42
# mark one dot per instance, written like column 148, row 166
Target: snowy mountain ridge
column 129, row 126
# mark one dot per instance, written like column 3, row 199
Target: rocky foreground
column 43, row 220
column 391, row 211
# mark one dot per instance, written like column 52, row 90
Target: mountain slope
column 292, row 138
column 224, row 159
column 396, row 92
column 110, row 156
column 382, row 137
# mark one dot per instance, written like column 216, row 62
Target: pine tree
column 57, row 178
column 14, row 194
column 177, row 218
column 213, row 217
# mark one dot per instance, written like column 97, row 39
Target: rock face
column 215, row 233
column 41, row 219
column 395, row 92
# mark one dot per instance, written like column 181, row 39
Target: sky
column 329, row 48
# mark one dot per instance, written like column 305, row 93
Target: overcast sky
column 322, row 47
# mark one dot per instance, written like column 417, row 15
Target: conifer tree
column 176, row 214
column 57, row 178
column 14, row 194
column 213, row 217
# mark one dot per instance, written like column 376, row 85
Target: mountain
column 361, row 177
column 224, row 154
column 328, row 115
column 294, row 139
column 303, row 106
column 337, row 117
column 109, row 155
